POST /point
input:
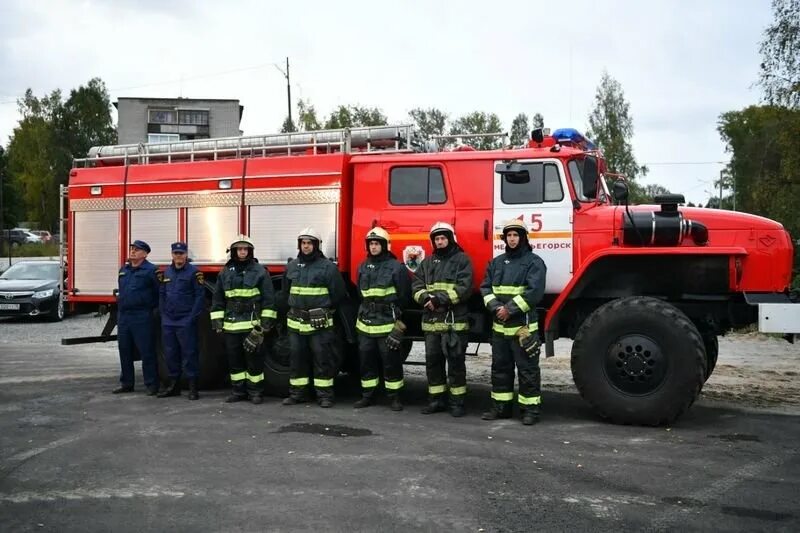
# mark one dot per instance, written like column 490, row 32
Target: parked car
column 30, row 238
column 30, row 288
column 19, row 237
column 44, row 235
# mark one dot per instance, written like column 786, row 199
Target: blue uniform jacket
column 181, row 295
column 138, row 291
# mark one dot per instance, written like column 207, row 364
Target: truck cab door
column 538, row 194
column 418, row 196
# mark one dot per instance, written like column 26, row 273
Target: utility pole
column 288, row 91
column 288, row 88
column 733, row 178
column 721, row 172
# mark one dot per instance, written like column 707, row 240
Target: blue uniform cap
column 180, row 247
column 141, row 245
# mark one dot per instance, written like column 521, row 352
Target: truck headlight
column 43, row 294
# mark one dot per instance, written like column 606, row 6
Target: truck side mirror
column 620, row 191
column 513, row 172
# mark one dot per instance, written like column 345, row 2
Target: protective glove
column 267, row 324
column 318, row 318
column 529, row 342
column 216, row 325
column 395, row 338
column 254, row 339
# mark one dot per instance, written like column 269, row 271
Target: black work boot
column 530, row 415
column 256, row 399
column 122, row 390
column 367, row 399
column 396, row 404
column 173, row 389
column 193, row 390
column 294, row 399
column 498, row 410
column 233, row 398
column 435, row 405
column 457, row 409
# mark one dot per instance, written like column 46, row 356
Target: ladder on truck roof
column 365, row 140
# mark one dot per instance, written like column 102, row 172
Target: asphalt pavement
column 74, row 457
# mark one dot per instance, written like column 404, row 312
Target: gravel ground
column 754, row 371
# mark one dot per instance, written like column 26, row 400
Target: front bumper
column 27, row 306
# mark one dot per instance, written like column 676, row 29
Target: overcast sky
column 680, row 63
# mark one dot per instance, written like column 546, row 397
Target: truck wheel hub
column 635, row 364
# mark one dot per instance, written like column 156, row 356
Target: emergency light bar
column 571, row 136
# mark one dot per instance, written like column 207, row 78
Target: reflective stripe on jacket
column 385, row 289
column 450, row 279
column 243, row 298
column 516, row 282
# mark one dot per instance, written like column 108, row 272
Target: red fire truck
column 644, row 291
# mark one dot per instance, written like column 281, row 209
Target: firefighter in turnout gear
column 513, row 285
column 315, row 288
column 243, row 308
column 441, row 285
column 181, row 300
column 385, row 289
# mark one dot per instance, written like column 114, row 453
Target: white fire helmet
column 517, row 225
column 442, row 228
column 309, row 233
column 379, row 234
column 242, row 239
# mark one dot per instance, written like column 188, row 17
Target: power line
column 686, row 163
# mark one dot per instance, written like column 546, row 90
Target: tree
column 288, row 125
column 611, row 127
column 779, row 75
column 12, row 206
column 307, row 116
column 519, row 129
column 429, row 122
column 652, row 190
column 50, row 133
column 478, row 122
column 354, row 117
column 538, row 121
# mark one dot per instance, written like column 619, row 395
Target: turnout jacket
column 385, row 289
column 181, row 295
column 242, row 298
column 516, row 281
column 449, row 279
column 312, row 284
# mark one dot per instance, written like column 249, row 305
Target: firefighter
column 181, row 300
column 315, row 288
column 385, row 289
column 513, row 285
column 442, row 284
column 243, row 308
column 137, row 299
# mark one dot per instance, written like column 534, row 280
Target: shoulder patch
column 200, row 278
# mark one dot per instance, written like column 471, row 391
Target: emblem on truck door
column 413, row 256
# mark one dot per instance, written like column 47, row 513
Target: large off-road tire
column 638, row 360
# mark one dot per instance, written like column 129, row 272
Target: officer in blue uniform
column 181, row 300
column 137, row 299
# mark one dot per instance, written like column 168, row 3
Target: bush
column 31, row 250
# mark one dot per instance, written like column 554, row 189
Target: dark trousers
column 449, row 348
column 137, row 334
column 247, row 369
column 372, row 353
column 506, row 352
column 180, row 350
column 314, row 354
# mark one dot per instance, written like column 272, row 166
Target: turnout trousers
column 247, row 369
column 315, row 354
column 506, row 353
column 450, row 349
column 374, row 354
